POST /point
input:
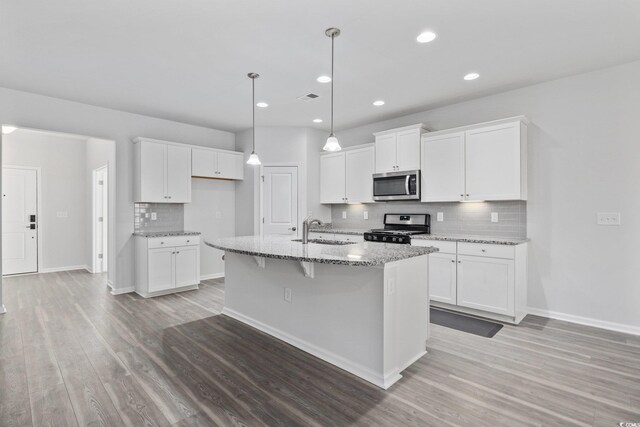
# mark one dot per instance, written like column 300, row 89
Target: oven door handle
column 406, row 185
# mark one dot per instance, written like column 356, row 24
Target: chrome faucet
column 308, row 222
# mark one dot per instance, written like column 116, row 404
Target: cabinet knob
column 484, row 250
column 467, row 196
column 162, row 243
column 453, row 260
column 462, row 195
column 459, row 262
column 188, row 241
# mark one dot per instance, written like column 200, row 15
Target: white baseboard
column 122, row 291
column 342, row 363
column 3, row 309
column 211, row 276
column 587, row 321
column 110, row 283
column 67, row 268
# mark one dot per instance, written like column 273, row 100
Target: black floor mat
column 483, row 328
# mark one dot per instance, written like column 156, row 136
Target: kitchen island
column 362, row 306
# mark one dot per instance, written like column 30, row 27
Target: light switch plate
column 494, row 216
column 608, row 218
column 366, row 214
column 154, row 216
column 344, row 214
column 440, row 216
column 288, row 294
column 62, row 214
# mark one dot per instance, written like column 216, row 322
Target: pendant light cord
column 253, row 113
column 332, row 55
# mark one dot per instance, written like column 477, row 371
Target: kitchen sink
column 326, row 242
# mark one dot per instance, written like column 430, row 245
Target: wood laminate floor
column 72, row 354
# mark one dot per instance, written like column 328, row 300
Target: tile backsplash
column 169, row 217
column 459, row 218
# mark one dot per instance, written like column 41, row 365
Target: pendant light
column 253, row 158
column 332, row 142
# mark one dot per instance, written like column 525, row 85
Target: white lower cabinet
column 167, row 264
column 486, row 284
column 486, row 280
column 442, row 277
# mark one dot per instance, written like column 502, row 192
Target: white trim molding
column 211, row 276
column 349, row 366
column 587, row 321
column 123, row 290
column 3, row 309
column 66, row 268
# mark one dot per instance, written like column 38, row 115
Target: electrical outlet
column 344, row 214
column 366, row 214
column 440, row 216
column 154, row 216
column 494, row 216
column 287, row 294
column 608, row 218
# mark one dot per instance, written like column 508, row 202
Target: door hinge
column 263, row 220
column 262, row 178
column 100, row 219
column 100, row 256
column 100, row 182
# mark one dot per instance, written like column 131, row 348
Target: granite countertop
column 152, row 234
column 282, row 247
column 466, row 238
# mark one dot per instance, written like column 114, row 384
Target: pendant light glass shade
column 254, row 160
column 332, row 142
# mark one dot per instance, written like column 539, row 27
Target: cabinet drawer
column 172, row 241
column 480, row 249
column 443, row 246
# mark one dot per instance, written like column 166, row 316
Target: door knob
column 293, row 228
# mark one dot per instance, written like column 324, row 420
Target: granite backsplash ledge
column 471, row 218
column 169, row 217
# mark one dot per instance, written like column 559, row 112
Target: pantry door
column 280, row 200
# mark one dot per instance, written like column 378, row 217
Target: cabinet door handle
column 483, row 250
column 453, row 260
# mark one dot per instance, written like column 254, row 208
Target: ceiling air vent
column 308, row 97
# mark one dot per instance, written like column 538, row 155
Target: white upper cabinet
column 494, row 169
column 163, row 172
column 211, row 163
column 346, row 176
column 359, row 175
column 443, row 174
column 481, row 162
column 398, row 149
column 332, row 178
column 178, row 174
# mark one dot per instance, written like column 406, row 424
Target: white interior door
column 19, row 225
column 100, row 220
column 280, row 200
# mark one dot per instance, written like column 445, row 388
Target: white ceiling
column 187, row 60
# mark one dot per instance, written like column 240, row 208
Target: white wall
column 280, row 146
column 63, row 179
column 583, row 158
column 41, row 112
column 211, row 212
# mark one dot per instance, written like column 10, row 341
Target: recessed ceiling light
column 262, row 105
column 378, row 103
column 6, row 130
column 426, row 37
column 324, row 79
column 317, row 120
column 471, row 76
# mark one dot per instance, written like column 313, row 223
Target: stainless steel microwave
column 396, row 186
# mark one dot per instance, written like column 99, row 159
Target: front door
column 280, row 200
column 19, row 221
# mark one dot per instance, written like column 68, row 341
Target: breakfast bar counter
column 361, row 306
